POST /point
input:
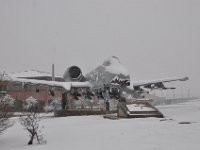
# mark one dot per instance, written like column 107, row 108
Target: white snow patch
column 30, row 102
column 138, row 107
column 113, row 65
column 8, row 100
column 94, row 132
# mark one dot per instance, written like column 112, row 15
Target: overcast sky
column 152, row 38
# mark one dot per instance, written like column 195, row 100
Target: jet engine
column 73, row 74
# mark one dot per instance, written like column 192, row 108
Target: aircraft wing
column 65, row 85
column 156, row 84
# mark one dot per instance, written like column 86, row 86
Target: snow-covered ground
column 97, row 133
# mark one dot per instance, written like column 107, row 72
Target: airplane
column 109, row 80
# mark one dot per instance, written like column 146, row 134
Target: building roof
column 29, row 73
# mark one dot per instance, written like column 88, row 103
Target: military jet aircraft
column 109, row 80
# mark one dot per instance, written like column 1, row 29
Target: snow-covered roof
column 30, row 73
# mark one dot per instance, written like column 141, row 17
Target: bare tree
column 30, row 120
column 5, row 107
column 5, row 114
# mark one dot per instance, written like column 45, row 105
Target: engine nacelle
column 73, row 74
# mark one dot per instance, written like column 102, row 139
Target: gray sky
column 152, row 38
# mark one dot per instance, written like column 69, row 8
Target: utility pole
column 53, row 73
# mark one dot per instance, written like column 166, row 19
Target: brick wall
column 19, row 92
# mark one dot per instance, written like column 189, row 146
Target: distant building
column 20, row 91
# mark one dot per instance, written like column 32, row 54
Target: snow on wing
column 66, row 85
column 149, row 82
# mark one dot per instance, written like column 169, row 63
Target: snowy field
column 97, row 133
